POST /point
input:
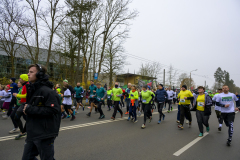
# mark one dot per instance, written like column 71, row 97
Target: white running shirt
column 227, row 99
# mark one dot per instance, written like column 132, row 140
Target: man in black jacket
column 43, row 115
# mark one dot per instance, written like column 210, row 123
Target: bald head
column 129, row 85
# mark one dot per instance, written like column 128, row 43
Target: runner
column 146, row 98
column 225, row 101
column 13, row 102
column 127, row 99
column 1, row 99
column 116, row 93
column 184, row 100
column 92, row 92
column 175, row 97
column 122, row 98
column 67, row 102
column 133, row 95
column 100, row 96
column 218, row 111
column 238, row 102
column 78, row 96
column 109, row 98
column 170, row 98
column 202, row 106
column 19, row 113
column 161, row 95
column 7, row 99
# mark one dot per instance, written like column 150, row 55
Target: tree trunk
column 13, row 67
column 49, row 49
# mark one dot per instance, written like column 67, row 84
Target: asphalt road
column 94, row 139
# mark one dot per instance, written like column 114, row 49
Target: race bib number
column 99, row 98
column 144, row 100
column 200, row 104
column 182, row 100
column 109, row 97
column 81, row 96
column 91, row 95
column 227, row 99
column 139, row 98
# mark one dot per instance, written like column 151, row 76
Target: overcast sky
column 189, row 34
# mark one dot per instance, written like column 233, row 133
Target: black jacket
column 43, row 110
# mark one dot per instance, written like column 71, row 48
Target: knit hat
column 65, row 81
column 13, row 79
column 24, row 77
column 59, row 90
column 184, row 86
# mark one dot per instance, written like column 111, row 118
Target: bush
column 4, row 81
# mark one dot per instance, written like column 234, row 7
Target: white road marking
column 81, row 125
column 179, row 152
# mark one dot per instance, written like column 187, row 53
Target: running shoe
column 168, row 111
column 219, row 129
column 207, row 129
column 135, row 121
column 180, row 126
column 143, row 126
column 172, row 109
column 229, row 142
column 132, row 119
column 189, row 124
column 200, row 135
column 64, row 116
column 163, row 117
column 112, row 118
column 89, row 114
column 128, row 119
column 139, row 113
column 150, row 119
column 178, row 121
column 127, row 113
column 102, row 116
column 4, row 116
column 20, row 136
column 72, row 118
column 159, row 121
column 14, row 130
column 187, row 121
column 74, row 112
column 68, row 116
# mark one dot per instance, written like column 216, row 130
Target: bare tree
column 172, row 74
column 57, row 15
column 10, row 16
column 113, row 59
column 151, row 69
column 181, row 78
column 117, row 16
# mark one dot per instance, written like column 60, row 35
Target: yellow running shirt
column 200, row 102
column 183, row 94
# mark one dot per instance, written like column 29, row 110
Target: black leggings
column 219, row 117
column 99, row 107
column 122, row 103
column 116, row 108
column 170, row 105
column 13, row 115
column 201, row 119
column 160, row 107
column 109, row 103
column 147, row 111
column 228, row 120
column 18, row 120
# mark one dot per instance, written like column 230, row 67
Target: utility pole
column 164, row 77
column 205, row 84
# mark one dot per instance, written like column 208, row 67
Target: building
column 136, row 79
column 22, row 59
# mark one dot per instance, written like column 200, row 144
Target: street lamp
column 190, row 78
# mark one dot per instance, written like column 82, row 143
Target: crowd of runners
column 136, row 100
